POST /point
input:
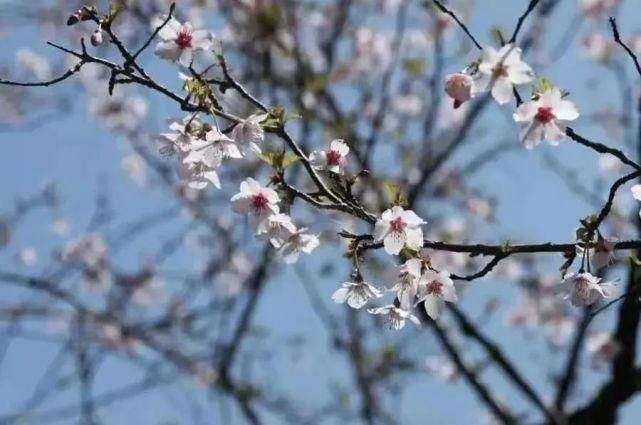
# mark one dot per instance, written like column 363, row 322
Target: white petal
column 340, row 295
column 502, row 91
column 553, row 133
column 394, row 242
column 381, row 228
column 414, row 238
column 433, row 306
column 168, row 50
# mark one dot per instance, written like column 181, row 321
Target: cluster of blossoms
column 203, row 148
column 500, row 72
column 417, row 283
column 261, row 205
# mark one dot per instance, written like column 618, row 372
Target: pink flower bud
column 459, row 87
column 96, row 38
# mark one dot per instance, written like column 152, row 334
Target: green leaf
column 115, row 8
column 275, row 159
column 395, row 194
column 289, row 158
column 292, row 116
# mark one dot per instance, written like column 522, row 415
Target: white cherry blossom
column 584, row 289
column 214, row 148
column 181, row 137
column 407, row 286
column 299, row 241
column 596, row 8
column 198, row 173
column 249, row 133
column 257, row 201
column 333, row 159
column 398, row 228
column 542, row 118
column 501, row 70
column 356, row 294
column 435, row 288
column 279, row 229
column 180, row 42
column 396, row 316
column 602, row 347
column 602, row 254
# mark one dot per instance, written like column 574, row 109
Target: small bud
column 73, row 19
column 96, row 38
column 459, row 88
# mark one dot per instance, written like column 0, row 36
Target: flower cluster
column 500, row 72
column 417, row 283
column 261, row 205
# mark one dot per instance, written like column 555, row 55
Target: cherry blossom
column 602, row 347
column 599, row 47
column 459, row 87
column 584, row 289
column 501, row 70
column 395, row 316
column 356, row 294
column 332, row 159
column 541, row 118
column 595, row 8
column 398, row 228
column 299, row 241
column 182, row 136
column 434, row 289
column 257, row 201
column 249, row 133
column 214, row 148
column 602, row 254
column 407, row 285
column 180, row 42
column 199, row 173
column 279, row 229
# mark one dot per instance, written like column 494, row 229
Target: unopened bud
column 96, row 38
column 459, row 88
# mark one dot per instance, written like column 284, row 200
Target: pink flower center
column 544, row 114
column 435, row 287
column 184, row 38
column 333, row 157
column 398, row 225
column 500, row 70
column 259, row 201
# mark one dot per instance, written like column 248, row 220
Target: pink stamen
column 333, row 157
column 184, row 38
column 435, row 287
column 259, row 201
column 398, row 225
column 544, row 115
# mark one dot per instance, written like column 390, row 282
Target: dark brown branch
column 617, row 38
column 67, row 74
column 531, row 6
column 447, row 11
column 601, row 148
